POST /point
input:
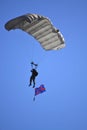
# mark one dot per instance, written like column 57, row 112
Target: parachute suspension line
column 43, row 57
column 32, row 53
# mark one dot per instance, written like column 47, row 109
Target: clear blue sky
column 64, row 104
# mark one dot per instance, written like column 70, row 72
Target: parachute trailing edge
column 40, row 28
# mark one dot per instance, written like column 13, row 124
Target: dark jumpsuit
column 32, row 78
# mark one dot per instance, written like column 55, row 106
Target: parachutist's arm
column 33, row 64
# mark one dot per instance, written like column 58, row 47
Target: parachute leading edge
column 40, row 28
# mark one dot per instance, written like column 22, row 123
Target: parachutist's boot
column 34, row 86
column 29, row 84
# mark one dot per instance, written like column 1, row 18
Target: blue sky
column 64, row 73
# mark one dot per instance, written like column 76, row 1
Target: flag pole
column 34, row 98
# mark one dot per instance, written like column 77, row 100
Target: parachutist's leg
column 31, row 78
column 33, row 82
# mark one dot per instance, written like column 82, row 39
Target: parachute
column 40, row 28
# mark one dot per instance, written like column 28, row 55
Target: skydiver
column 34, row 74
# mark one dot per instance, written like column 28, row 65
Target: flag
column 40, row 90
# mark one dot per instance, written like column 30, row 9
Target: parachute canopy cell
column 40, row 28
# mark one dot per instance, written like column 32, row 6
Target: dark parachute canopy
column 40, row 28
